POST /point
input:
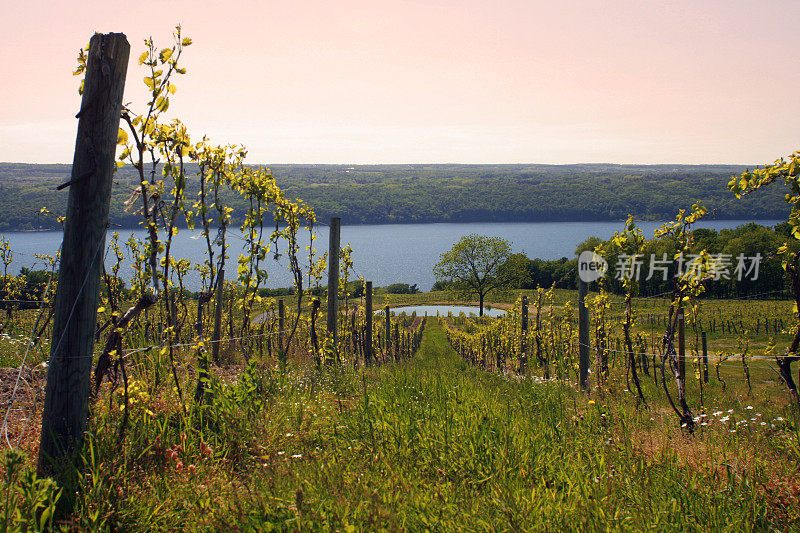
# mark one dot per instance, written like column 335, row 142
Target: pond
column 443, row 310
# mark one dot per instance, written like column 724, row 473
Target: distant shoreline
column 324, row 224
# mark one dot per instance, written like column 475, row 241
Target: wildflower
column 205, row 449
column 190, row 469
column 592, row 402
column 297, row 456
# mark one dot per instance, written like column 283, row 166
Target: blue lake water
column 384, row 254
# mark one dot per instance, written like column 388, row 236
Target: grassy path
column 434, row 444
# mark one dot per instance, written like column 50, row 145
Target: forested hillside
column 368, row 194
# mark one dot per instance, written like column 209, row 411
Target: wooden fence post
column 681, row 346
column 333, row 281
column 215, row 339
column 71, row 349
column 281, row 326
column 397, row 354
column 314, row 341
column 705, row 358
column 387, row 330
column 523, row 348
column 368, row 335
column 583, row 334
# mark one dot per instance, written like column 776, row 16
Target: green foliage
column 747, row 240
column 29, row 503
column 402, row 288
column 787, row 171
column 477, row 265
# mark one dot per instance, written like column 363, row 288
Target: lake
column 384, row 254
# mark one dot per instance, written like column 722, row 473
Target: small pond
column 431, row 310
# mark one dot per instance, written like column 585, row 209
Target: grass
column 432, row 443
column 428, row 444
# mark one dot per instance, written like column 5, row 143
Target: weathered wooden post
column 67, row 392
column 523, row 348
column 333, row 281
column 705, row 357
column 681, row 346
column 397, row 354
column 314, row 340
column 387, row 329
column 583, row 334
column 218, row 316
column 368, row 335
column 281, row 326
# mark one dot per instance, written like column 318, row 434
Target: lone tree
column 476, row 264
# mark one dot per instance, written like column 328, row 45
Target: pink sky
column 432, row 81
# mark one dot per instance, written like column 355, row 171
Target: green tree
column 474, row 266
column 518, row 271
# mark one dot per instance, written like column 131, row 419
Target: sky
column 430, row 81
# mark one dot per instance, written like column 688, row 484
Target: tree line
column 378, row 194
column 737, row 248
